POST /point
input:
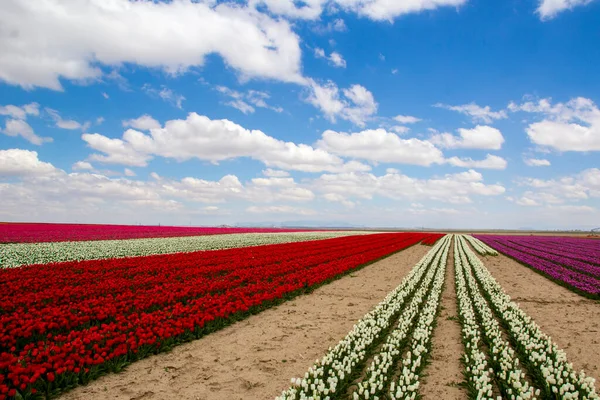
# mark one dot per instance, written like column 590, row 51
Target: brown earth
column 444, row 373
column 571, row 320
column 255, row 358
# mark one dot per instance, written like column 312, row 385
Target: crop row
column 568, row 271
column 79, row 320
column 525, row 365
column 403, row 322
column 17, row 254
column 36, row 232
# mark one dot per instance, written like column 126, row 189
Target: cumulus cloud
column 337, row 25
column 577, row 187
column 355, row 104
column 477, row 113
column 20, row 112
column 480, row 137
column 213, row 140
column 334, row 58
column 549, row 9
column 388, row 10
column 406, row 119
column 537, row 162
column 380, row 146
column 18, row 127
column 142, row 123
column 451, row 188
column 280, row 210
column 173, row 36
column 17, row 162
column 82, row 165
column 273, row 173
column 490, row 162
column 570, row 126
column 66, row 123
column 246, row 101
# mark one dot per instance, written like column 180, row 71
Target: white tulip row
column 407, row 384
column 329, row 377
column 510, row 377
column 376, row 382
column 479, row 246
column 478, row 373
column 553, row 373
column 16, row 254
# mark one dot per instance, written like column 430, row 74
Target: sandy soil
column 255, row 358
column 444, row 372
column 571, row 320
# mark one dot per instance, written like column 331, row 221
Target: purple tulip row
column 573, row 273
column 563, row 259
column 586, row 250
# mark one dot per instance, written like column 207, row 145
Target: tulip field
column 81, row 301
column 572, row 262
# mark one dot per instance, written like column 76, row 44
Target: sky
column 380, row 113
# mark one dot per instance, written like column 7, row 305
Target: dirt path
column 255, row 358
column 445, row 371
column 571, row 320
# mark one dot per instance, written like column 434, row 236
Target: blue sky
column 434, row 113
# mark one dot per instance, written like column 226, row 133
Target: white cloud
column 357, row 104
column 338, row 198
column 241, row 106
column 165, row 94
column 82, row 165
column 390, row 9
column 337, row 25
column 214, row 141
column 380, row 146
column 17, row 162
column 490, row 162
column 128, row 172
column 578, row 187
column 243, row 101
column 451, row 188
column 273, row 173
column 143, row 123
column 18, row 127
column 105, row 95
column 99, row 120
column 480, row 137
column 20, row 112
column 536, row 162
column 406, row 119
column 549, row 9
column 280, row 210
column 570, row 126
column 394, row 71
column 66, row 123
column 477, row 113
column 173, row 36
column 334, row 58
column 310, row 9
column 400, row 129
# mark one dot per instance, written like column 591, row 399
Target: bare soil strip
column 255, row 358
column 571, row 320
column 444, row 373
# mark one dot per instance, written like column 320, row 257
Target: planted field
column 16, row 254
column 64, row 324
column 37, row 233
column 572, row 262
column 79, row 320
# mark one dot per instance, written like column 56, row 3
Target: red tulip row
column 64, row 324
column 36, row 233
